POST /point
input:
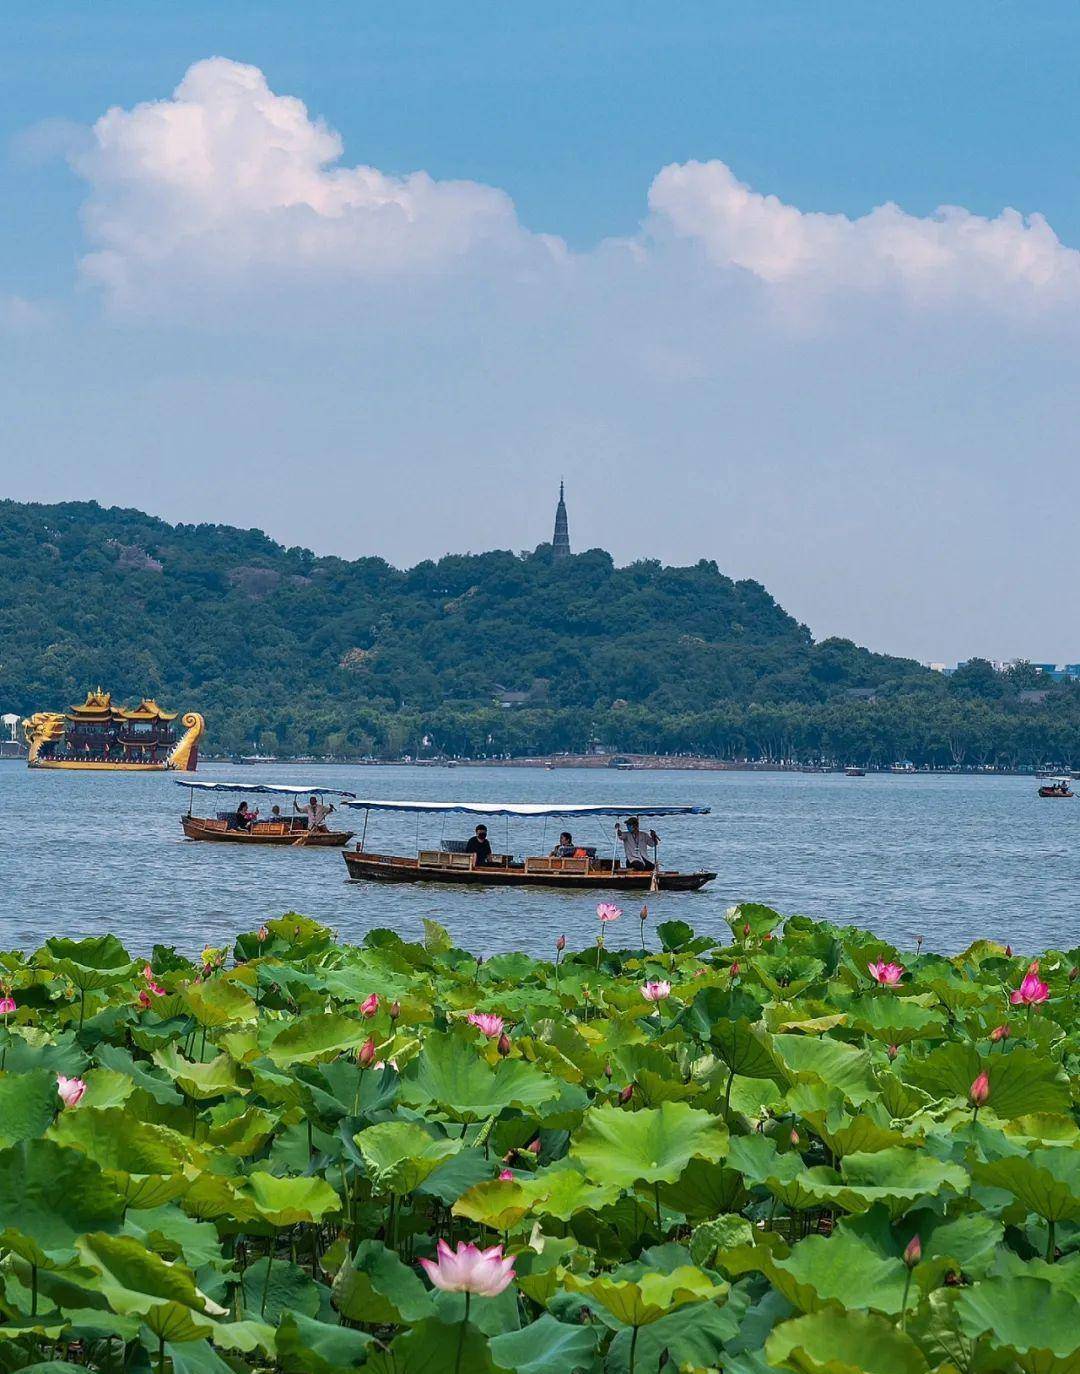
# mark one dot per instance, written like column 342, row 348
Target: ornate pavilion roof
column 97, row 706
column 147, row 709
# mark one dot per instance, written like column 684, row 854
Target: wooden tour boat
column 449, row 863
column 1058, row 788
column 290, row 829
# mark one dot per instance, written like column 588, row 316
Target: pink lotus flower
column 491, row 1025
column 1031, row 991
column 892, row 1051
column 506, row 1176
column 470, row 1269
column 151, row 985
column 656, row 991
column 979, row 1092
column 70, row 1089
column 1000, row 1033
column 888, row 975
column 7, row 1006
column 607, row 911
column 370, row 1005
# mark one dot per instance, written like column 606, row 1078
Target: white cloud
column 950, row 253
column 227, row 186
column 227, row 180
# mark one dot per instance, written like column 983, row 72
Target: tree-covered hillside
column 299, row 653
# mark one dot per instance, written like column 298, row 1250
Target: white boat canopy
column 526, row 809
column 271, row 787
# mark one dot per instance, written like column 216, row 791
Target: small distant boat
column 289, row 829
column 854, row 772
column 1059, row 787
column 904, row 766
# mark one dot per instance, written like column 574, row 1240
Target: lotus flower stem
column 82, row 1007
column 633, row 1349
column 33, row 1290
column 656, row 1199
column 461, row 1332
column 266, row 1280
column 1050, row 1245
column 161, row 1353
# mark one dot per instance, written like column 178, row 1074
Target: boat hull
column 196, row 828
column 100, row 766
column 390, row 869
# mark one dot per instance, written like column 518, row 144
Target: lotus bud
column 7, row 1005
column 734, row 970
column 367, row 1053
column 506, row 1176
column 607, row 1070
column 70, row 1090
column 1008, row 952
column 979, row 1092
column 626, row 1094
column 644, row 915
column 1074, row 973
column 794, row 1136
column 746, row 930
column 1001, row 1032
column 560, row 943
column 768, row 936
column 893, row 1051
column 370, row 1005
column 262, row 934
column 913, row 1252
column 503, row 1044
column 394, row 1010
column 534, row 1146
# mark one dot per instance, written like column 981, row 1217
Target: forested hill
column 304, row 654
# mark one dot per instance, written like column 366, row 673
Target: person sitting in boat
column 480, row 846
column 245, row 818
column 315, row 811
column 565, row 849
column 637, row 843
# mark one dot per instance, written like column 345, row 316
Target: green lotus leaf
column 500, row 1204
column 546, row 1346
column 894, row 1177
column 652, row 1146
column 28, row 1103
column 271, row 1289
column 49, row 1196
column 221, row 1002
column 456, row 1175
column 286, row 1201
column 691, row 1337
column 106, row 1088
column 144, row 1162
column 720, row 1233
column 860, row 1134
column 785, row 1175
column 196, row 1357
column 1020, row 1083
column 1046, row 1181
column 639, row 1302
column 243, row 1134
column 840, row 1066
column 1044, row 1128
column 841, row 1271
column 787, row 975
column 172, row 1234
column 704, row 1189
column 374, row 1286
column 1029, row 1320
column 247, row 1336
column 142, row 1074
column 834, row 1342
column 306, row 1346
column 451, row 1074
column 400, row 1155
column 761, row 919
column 317, row 1037
column 895, row 1020
column 100, row 961
column 744, row 1048
column 217, row 1078
column 559, row 1192
column 433, row 1347
column 136, row 1283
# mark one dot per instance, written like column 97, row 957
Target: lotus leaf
column 833, row 1342
column 306, row 1346
column 136, row 1283
column 400, row 1155
column 450, row 1074
column 652, row 1146
column 375, row 1286
column 287, row 1201
column 1029, row 1320
column 28, row 1104
column 638, row 1302
column 546, row 1346
column 49, row 1196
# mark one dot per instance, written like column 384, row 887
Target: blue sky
column 882, row 434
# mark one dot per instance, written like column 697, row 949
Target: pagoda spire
column 560, row 542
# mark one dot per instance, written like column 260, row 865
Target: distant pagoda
column 560, row 541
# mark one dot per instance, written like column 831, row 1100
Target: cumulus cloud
column 228, row 180
column 227, row 185
column 948, row 253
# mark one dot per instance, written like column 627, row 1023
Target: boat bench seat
column 553, row 865
column 439, row 858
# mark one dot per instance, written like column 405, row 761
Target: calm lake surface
column 950, row 858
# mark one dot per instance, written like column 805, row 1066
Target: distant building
column 560, row 541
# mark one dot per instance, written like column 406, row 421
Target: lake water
column 951, row 858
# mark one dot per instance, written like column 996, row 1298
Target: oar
column 654, row 881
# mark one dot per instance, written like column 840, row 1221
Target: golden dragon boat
column 97, row 736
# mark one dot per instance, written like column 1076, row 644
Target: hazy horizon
column 798, row 295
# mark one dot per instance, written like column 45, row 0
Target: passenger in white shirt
column 637, row 843
column 316, row 813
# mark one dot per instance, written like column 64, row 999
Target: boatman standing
column 315, row 811
column 637, row 843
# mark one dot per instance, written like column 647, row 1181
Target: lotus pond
column 801, row 1149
